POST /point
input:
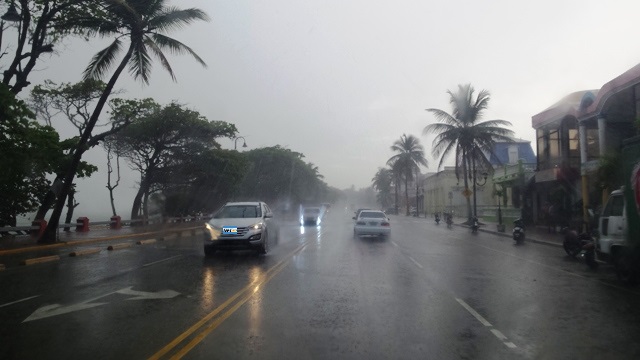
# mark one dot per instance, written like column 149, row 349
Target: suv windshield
column 238, row 211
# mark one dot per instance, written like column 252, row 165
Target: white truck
column 619, row 224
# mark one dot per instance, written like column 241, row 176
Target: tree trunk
column 466, row 185
column 406, row 193
column 70, row 207
column 49, row 234
column 396, row 193
column 49, row 199
column 113, row 205
column 137, row 203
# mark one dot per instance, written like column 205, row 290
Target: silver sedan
column 372, row 222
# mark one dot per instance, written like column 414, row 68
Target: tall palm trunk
column 396, row 193
column 49, row 235
column 406, row 193
column 466, row 185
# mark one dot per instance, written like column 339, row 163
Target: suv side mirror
column 353, row 217
column 268, row 215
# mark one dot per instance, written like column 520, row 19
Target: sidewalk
column 536, row 234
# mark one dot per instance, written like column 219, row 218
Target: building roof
column 501, row 152
column 623, row 81
column 569, row 105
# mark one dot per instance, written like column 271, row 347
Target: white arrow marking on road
column 57, row 309
column 143, row 295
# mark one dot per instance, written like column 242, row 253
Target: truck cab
column 612, row 225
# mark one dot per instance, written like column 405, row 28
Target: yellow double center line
column 206, row 326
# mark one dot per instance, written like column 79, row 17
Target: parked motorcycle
column 475, row 225
column 518, row 231
column 581, row 246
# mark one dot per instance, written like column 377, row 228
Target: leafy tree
column 30, row 152
column 462, row 134
column 205, row 183
column 162, row 142
column 277, row 174
column 44, row 23
column 409, row 158
column 73, row 102
column 382, row 182
column 144, row 23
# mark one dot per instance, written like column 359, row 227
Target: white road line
column 475, row 314
column 17, row 301
column 497, row 333
column 394, row 243
column 159, row 261
column 415, row 262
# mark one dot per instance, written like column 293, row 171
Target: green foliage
column 383, row 183
column 279, row 175
column 144, row 23
column 173, row 148
column 609, row 174
column 29, row 152
column 208, row 181
column 45, row 23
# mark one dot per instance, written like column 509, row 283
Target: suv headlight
column 213, row 231
column 257, row 226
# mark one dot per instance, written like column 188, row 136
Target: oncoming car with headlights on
column 372, row 222
column 240, row 226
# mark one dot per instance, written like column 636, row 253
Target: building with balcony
column 573, row 134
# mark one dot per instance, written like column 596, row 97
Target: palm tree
column 462, row 134
column 382, row 181
column 409, row 158
column 144, row 23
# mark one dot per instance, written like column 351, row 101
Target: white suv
column 240, row 225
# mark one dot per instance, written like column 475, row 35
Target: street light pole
column 475, row 183
column 235, row 142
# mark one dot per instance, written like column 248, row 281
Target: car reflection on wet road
column 425, row 292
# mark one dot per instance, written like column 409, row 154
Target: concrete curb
column 119, row 246
column 526, row 239
column 88, row 241
column 147, row 241
column 40, row 260
column 85, row 252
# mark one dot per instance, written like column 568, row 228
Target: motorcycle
column 475, row 224
column 518, row 231
column 437, row 219
column 581, row 246
column 449, row 221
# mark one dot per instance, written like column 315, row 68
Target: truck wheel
column 624, row 268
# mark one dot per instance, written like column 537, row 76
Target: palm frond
column 172, row 18
column 444, row 116
column 158, row 53
column 176, row 47
column 102, row 61
column 140, row 63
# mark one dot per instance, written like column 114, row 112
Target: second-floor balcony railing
column 512, row 171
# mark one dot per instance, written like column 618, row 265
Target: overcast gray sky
column 340, row 80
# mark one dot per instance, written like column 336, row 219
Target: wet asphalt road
column 427, row 292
